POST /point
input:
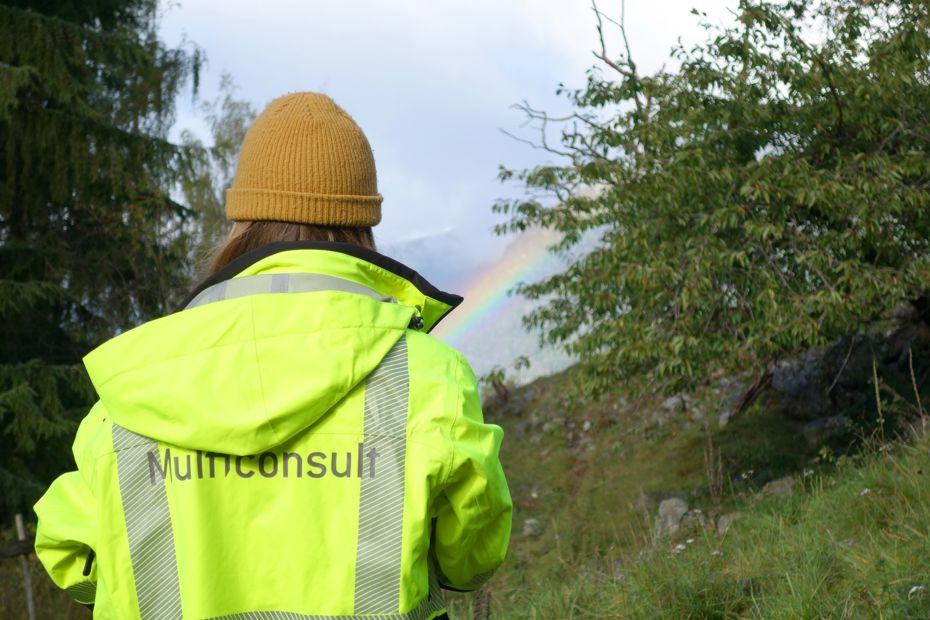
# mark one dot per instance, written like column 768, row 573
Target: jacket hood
column 264, row 348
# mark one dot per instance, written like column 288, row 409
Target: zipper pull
column 416, row 322
column 89, row 563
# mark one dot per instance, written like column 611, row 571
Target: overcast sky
column 430, row 83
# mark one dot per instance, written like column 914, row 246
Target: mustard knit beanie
column 305, row 160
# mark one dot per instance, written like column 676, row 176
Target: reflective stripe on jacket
column 292, row 445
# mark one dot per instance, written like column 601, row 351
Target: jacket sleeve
column 66, row 535
column 472, row 525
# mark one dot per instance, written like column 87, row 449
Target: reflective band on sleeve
column 381, row 505
column 281, row 283
column 479, row 580
column 148, row 527
column 472, row 584
column 84, row 592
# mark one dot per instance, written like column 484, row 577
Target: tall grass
column 51, row 603
column 855, row 544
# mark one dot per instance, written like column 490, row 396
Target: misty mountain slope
column 488, row 329
column 445, row 258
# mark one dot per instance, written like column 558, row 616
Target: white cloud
column 429, row 82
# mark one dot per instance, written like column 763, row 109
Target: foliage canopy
column 769, row 195
column 211, row 168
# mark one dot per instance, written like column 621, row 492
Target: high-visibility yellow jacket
column 292, row 445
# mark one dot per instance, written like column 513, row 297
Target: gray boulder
column 779, row 488
column 674, row 404
column 725, row 521
column 733, row 391
column 693, row 520
column 818, row 431
column 532, row 528
column 668, row 521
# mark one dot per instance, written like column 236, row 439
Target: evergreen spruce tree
column 91, row 242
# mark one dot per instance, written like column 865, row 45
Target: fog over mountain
column 487, row 328
column 445, row 259
column 503, row 339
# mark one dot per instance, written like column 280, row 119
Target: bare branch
column 626, row 42
column 608, row 18
column 542, row 146
column 602, row 56
column 532, row 144
column 545, row 119
column 525, row 107
column 628, row 68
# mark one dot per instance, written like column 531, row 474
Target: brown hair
column 250, row 235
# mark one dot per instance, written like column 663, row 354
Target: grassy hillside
column 850, row 540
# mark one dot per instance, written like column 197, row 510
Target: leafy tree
column 91, row 242
column 769, row 195
column 212, row 168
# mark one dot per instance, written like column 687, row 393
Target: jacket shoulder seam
column 258, row 372
column 459, row 404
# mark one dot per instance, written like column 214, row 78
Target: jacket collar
column 348, row 262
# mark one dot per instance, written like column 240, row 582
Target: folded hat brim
column 303, row 208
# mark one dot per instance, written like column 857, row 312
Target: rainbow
column 487, row 295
